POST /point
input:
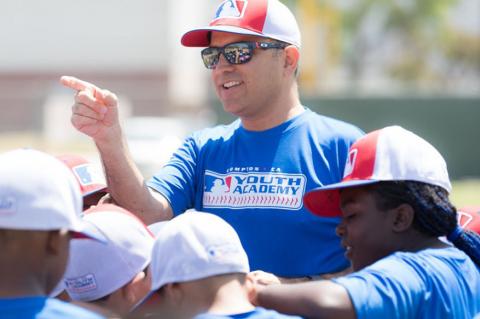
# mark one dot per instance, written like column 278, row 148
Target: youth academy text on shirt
column 253, row 190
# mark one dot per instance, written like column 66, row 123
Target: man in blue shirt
column 395, row 206
column 254, row 172
column 40, row 204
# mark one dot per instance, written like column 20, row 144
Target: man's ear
column 174, row 292
column 55, row 241
column 251, row 286
column 292, row 56
column 403, row 216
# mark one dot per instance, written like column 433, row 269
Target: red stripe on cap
column 114, row 208
column 469, row 218
column 253, row 18
column 361, row 158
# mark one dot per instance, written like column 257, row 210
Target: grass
column 465, row 192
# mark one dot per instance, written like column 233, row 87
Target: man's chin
column 233, row 109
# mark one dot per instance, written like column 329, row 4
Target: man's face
column 365, row 230
column 250, row 89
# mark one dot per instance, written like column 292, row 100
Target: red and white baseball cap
column 264, row 18
column 469, row 218
column 388, row 154
column 96, row 269
column 38, row 193
column 90, row 178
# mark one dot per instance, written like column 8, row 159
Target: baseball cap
column 389, row 154
column 469, row 218
column 196, row 245
column 90, row 178
column 95, row 270
column 264, row 18
column 37, row 192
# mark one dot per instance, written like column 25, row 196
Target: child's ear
column 403, row 216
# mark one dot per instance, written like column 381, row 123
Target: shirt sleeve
column 387, row 289
column 350, row 136
column 176, row 180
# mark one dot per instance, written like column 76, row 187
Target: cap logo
column 8, row 205
column 88, row 175
column 352, row 157
column 231, row 9
column 463, row 219
column 222, row 252
column 81, row 284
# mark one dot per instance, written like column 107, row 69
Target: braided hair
column 434, row 213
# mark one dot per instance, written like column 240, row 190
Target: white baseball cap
column 94, row 269
column 38, row 192
column 196, row 245
column 388, row 154
column 264, row 18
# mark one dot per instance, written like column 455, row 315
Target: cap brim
column 156, row 228
column 199, row 37
column 325, row 201
column 86, row 230
column 94, row 191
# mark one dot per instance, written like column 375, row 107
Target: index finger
column 77, row 84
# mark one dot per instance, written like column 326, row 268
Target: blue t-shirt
column 432, row 283
column 256, row 182
column 257, row 313
column 42, row 308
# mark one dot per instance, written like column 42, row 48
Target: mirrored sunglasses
column 236, row 53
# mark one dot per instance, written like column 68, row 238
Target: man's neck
column 11, row 290
column 230, row 299
column 262, row 122
column 19, row 281
column 281, row 108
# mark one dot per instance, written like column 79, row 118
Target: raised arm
column 319, row 299
column 95, row 113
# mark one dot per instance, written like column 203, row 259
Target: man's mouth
column 348, row 252
column 348, row 249
column 230, row 84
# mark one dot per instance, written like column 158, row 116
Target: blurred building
column 130, row 47
column 367, row 62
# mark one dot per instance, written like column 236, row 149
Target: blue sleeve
column 347, row 135
column 176, row 180
column 386, row 289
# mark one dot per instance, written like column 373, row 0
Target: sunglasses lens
column 235, row 53
column 210, row 57
column 238, row 53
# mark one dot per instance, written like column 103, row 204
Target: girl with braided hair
column 395, row 212
column 434, row 215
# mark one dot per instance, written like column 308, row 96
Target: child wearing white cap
column 40, row 205
column 111, row 274
column 199, row 268
column 394, row 202
column 93, row 188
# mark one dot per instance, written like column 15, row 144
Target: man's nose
column 222, row 62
